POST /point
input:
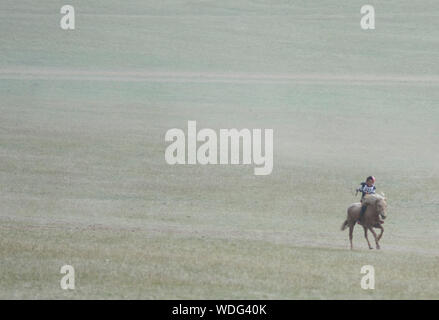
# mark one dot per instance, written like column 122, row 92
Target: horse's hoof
column 370, row 248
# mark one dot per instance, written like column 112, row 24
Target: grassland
column 84, row 182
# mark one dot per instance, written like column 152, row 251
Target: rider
column 367, row 187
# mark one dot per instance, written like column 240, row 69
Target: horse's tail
column 344, row 225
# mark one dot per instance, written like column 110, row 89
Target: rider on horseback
column 367, row 187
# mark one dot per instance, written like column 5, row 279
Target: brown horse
column 376, row 207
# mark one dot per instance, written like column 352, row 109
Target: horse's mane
column 372, row 198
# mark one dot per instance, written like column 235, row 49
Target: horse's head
column 381, row 206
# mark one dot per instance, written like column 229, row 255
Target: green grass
column 82, row 170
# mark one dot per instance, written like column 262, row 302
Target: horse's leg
column 382, row 231
column 351, row 229
column 375, row 236
column 365, row 235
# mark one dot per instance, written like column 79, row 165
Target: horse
column 376, row 208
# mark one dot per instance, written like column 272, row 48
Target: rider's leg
column 363, row 210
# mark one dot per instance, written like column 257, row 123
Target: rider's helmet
column 371, row 178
